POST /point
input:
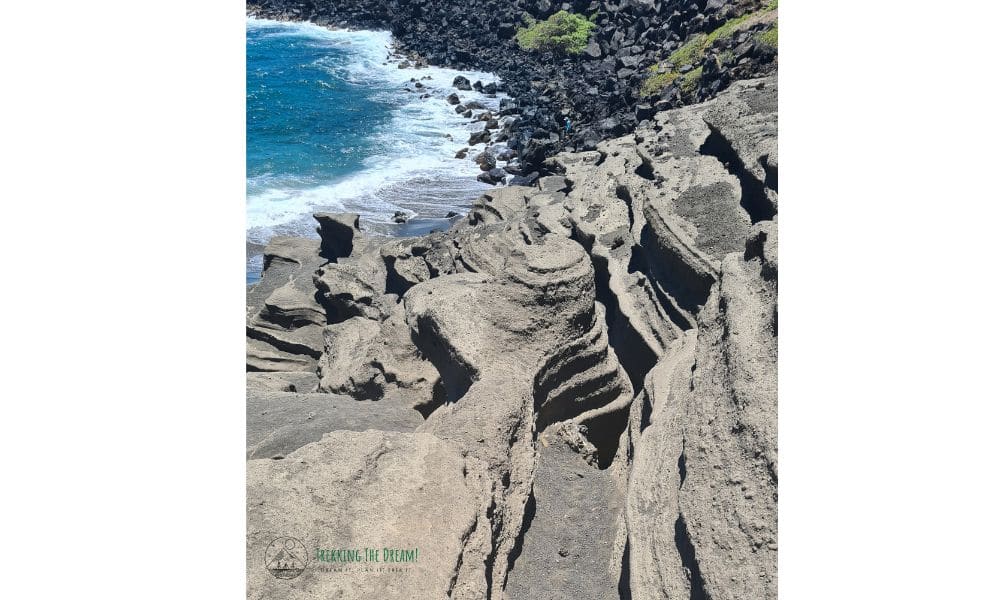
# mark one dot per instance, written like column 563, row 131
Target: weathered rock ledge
column 569, row 394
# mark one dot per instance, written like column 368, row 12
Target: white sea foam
column 413, row 168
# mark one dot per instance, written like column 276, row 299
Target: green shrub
column 562, row 32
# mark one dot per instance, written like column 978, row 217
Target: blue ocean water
column 331, row 126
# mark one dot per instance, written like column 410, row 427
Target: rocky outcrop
column 285, row 321
column 705, row 473
column 573, row 390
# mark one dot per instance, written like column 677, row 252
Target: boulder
column 479, row 137
column 369, row 360
column 486, row 160
column 354, row 286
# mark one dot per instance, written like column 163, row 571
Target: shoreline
column 413, row 217
column 602, row 89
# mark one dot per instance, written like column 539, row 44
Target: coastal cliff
column 571, row 393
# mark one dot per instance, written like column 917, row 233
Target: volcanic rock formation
column 570, row 394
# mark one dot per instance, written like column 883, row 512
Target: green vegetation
column 694, row 49
column 657, row 81
column 693, row 52
column 562, row 32
column 769, row 37
column 690, row 52
column 689, row 82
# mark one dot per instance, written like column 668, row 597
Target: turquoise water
column 331, row 126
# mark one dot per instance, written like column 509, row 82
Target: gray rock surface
column 337, row 232
column 278, row 381
column 369, row 489
column 279, row 423
column 568, row 551
column 285, row 321
column 590, row 360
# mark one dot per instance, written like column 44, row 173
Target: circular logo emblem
column 286, row 558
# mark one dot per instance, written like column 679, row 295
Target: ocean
column 332, row 127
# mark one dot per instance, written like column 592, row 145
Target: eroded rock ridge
column 570, row 394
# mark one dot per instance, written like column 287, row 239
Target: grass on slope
column 693, row 51
column 770, row 36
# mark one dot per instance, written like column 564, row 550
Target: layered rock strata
column 571, row 393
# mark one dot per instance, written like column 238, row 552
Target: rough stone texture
column 366, row 359
column 285, row 321
column 529, row 309
column 337, row 231
column 745, row 121
column 281, row 422
column 568, row 552
column 656, row 568
column 277, row 381
column 728, row 501
column 353, row 289
column 705, row 473
column 598, row 353
column 605, row 206
column 363, row 489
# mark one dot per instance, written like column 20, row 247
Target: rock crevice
column 569, row 394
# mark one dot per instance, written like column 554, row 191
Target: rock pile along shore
column 570, row 394
column 694, row 49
